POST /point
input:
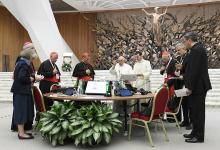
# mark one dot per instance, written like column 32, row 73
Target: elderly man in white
column 143, row 70
column 120, row 68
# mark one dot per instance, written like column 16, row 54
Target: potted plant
column 54, row 124
column 87, row 125
column 94, row 124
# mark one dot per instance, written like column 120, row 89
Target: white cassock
column 142, row 67
column 118, row 70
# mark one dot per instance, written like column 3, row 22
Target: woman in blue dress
column 23, row 104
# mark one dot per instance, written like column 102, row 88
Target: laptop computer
column 128, row 77
column 96, row 88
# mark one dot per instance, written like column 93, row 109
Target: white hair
column 181, row 46
column 29, row 53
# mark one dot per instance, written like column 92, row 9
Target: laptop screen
column 96, row 88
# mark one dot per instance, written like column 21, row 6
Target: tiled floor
column 9, row 140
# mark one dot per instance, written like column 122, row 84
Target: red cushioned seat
column 158, row 109
column 168, row 110
column 135, row 114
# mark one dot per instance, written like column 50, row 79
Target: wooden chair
column 172, row 113
column 158, row 109
column 54, row 87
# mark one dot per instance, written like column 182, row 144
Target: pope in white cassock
column 143, row 70
column 120, row 68
column 117, row 69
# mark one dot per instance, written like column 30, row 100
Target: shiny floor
column 9, row 140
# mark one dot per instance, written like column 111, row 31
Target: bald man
column 83, row 70
column 49, row 70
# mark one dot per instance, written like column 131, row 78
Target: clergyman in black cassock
column 51, row 74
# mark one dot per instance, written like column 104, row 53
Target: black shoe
column 188, row 136
column 25, row 138
column 189, row 127
column 194, row 140
column 183, row 124
column 30, row 134
column 171, row 120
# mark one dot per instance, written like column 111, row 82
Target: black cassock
column 80, row 70
column 197, row 80
column 46, row 69
column 172, row 84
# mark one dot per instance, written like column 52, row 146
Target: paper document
column 180, row 92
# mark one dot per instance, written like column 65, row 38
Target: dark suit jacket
column 196, row 73
column 22, row 74
column 46, row 69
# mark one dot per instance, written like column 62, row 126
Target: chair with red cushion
column 158, row 109
column 38, row 99
column 55, row 87
column 172, row 113
column 39, row 104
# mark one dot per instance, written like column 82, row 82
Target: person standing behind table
column 197, row 83
column 180, row 72
column 23, row 104
column 51, row 75
column 83, row 70
column 143, row 70
column 27, row 47
column 118, row 69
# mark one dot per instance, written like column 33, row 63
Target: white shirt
column 118, row 70
column 143, row 67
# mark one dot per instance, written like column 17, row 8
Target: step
column 212, row 104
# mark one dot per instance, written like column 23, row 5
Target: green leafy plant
column 93, row 124
column 86, row 125
column 66, row 67
column 54, row 124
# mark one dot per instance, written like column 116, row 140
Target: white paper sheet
column 180, row 92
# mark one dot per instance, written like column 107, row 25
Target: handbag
column 123, row 92
column 70, row 91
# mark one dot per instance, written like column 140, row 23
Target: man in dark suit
column 197, row 84
column 51, row 74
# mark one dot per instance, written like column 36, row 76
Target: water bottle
column 108, row 88
column 79, row 89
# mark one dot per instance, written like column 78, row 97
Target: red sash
column 85, row 78
column 52, row 79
